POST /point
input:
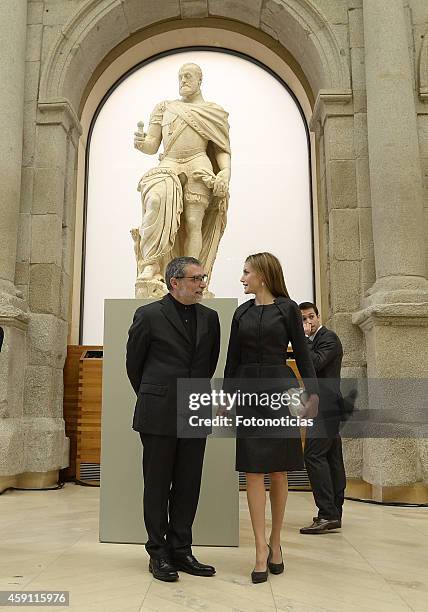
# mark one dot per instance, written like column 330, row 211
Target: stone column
column 395, row 169
column 394, row 316
column 13, row 30
column 13, row 316
column 51, row 262
column 339, row 208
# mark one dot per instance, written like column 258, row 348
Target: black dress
column 258, row 350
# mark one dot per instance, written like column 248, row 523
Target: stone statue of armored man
column 185, row 198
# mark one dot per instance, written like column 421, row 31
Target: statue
column 185, row 198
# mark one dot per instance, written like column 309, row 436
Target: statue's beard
column 188, row 92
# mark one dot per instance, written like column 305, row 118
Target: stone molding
column 398, row 315
column 320, row 33
column 18, row 319
column 423, row 70
column 30, row 480
column 330, row 103
column 194, row 8
column 101, row 25
column 13, row 310
column 59, row 112
column 416, row 493
column 52, row 77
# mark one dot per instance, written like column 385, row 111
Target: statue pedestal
column 121, row 514
column 150, row 289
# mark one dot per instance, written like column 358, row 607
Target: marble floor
column 49, row 541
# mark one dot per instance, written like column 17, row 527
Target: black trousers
column 172, row 470
column 326, row 472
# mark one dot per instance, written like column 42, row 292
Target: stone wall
column 66, row 43
column 418, row 35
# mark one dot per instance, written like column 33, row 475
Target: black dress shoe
column 321, row 525
column 163, row 570
column 275, row 568
column 190, row 565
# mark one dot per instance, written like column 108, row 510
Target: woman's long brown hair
column 270, row 269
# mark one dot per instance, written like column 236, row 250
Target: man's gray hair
column 176, row 268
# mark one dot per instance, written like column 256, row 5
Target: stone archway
column 100, row 33
column 100, row 27
column 295, row 33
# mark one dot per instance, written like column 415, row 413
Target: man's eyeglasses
column 199, row 278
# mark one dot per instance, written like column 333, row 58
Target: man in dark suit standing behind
column 172, row 338
column 323, row 447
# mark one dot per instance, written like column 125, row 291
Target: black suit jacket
column 159, row 352
column 1, row 337
column 326, row 352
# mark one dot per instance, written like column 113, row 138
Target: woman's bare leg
column 278, row 499
column 256, row 496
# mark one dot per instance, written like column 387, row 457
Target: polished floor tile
column 376, row 562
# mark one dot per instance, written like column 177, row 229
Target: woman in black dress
column 260, row 333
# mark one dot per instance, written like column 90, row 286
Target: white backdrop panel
column 269, row 191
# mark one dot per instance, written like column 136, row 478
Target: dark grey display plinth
column 217, row 519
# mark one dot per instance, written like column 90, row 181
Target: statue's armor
column 185, row 156
column 188, row 142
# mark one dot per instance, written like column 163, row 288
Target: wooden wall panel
column 71, row 399
column 89, row 411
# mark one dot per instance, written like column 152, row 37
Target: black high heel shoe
column 257, row 577
column 275, row 568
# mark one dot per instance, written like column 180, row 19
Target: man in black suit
column 323, row 447
column 1, row 337
column 175, row 337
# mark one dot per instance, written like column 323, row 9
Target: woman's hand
column 221, row 411
column 311, row 406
